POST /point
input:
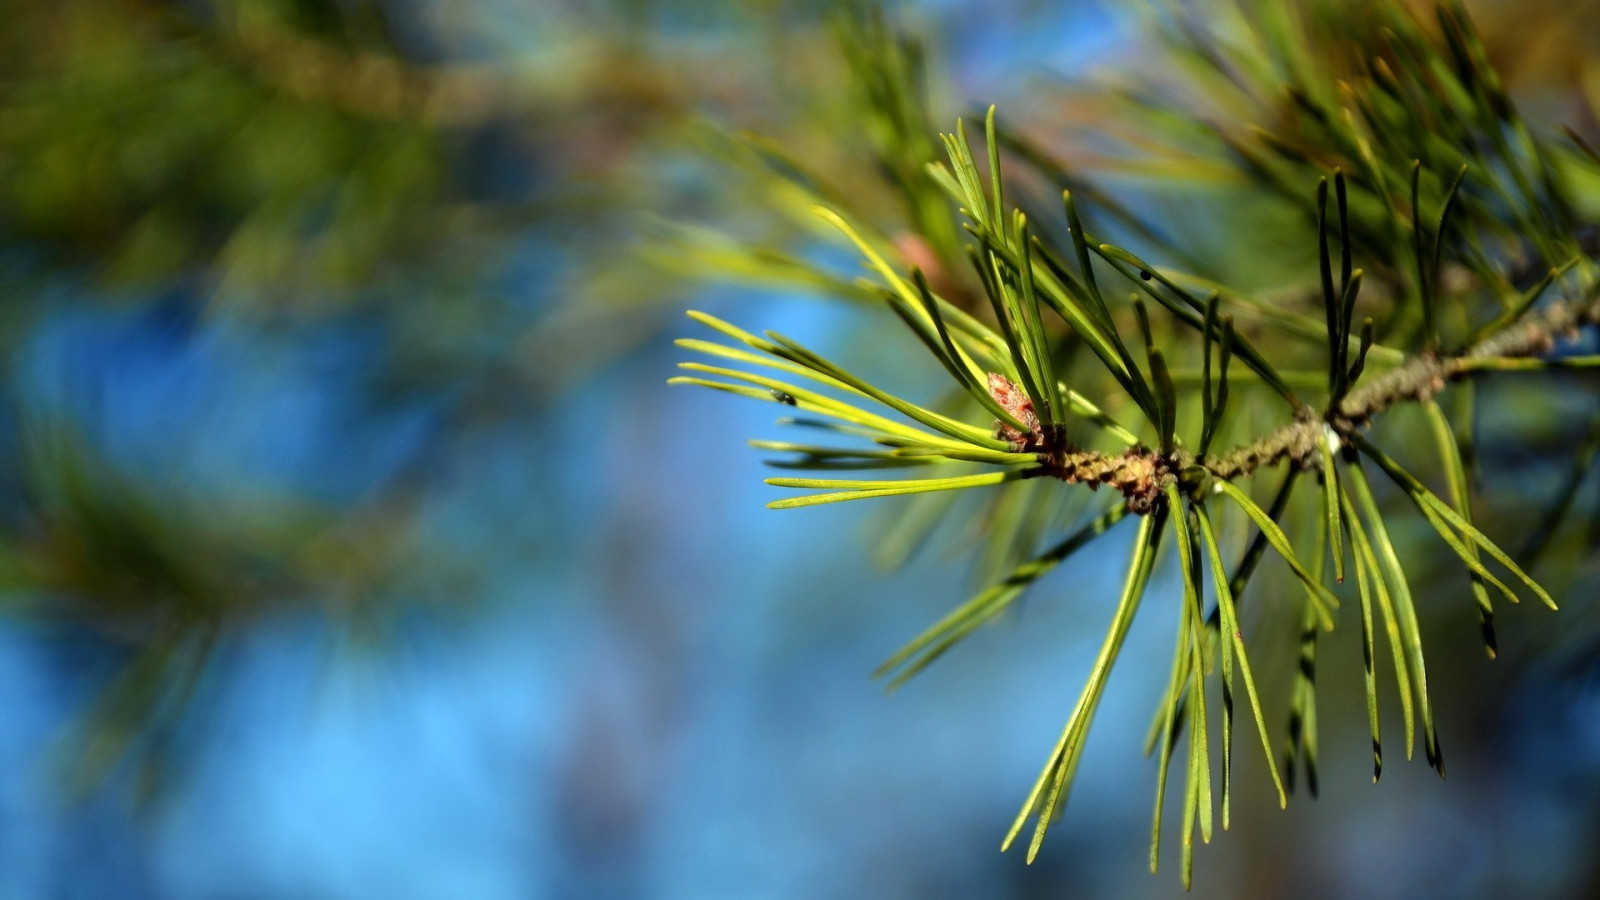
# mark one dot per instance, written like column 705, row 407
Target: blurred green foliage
column 280, row 166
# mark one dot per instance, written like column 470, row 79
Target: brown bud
column 1016, row 402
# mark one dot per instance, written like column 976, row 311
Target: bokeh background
column 353, row 545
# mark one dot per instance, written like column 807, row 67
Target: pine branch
column 1448, row 240
column 1419, row 378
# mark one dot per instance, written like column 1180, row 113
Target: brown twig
column 1139, row 473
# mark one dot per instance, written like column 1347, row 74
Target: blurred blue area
column 214, row 406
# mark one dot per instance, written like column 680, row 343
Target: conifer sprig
column 1049, row 337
